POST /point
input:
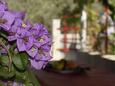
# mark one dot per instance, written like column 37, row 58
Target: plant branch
column 9, row 55
column 3, row 35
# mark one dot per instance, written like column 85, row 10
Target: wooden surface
column 102, row 73
column 92, row 78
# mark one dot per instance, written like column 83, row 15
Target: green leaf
column 20, row 76
column 111, row 2
column 33, row 78
column 20, row 61
column 27, row 83
column 12, row 48
column 3, row 34
column 4, row 74
column 1, row 84
column 4, row 60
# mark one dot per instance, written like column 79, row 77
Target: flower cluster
column 32, row 39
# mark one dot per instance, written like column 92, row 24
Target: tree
column 112, row 8
column 44, row 11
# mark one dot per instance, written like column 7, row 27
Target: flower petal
column 12, row 38
column 21, row 45
column 37, row 65
column 32, row 52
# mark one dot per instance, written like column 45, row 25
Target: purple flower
column 43, row 53
column 24, row 40
column 32, row 52
column 3, row 2
column 47, row 46
column 36, row 51
column 20, row 15
column 6, row 20
column 38, row 64
column 13, row 31
column 17, row 84
column 38, row 30
column 40, row 35
column 41, row 40
column 3, row 51
column 19, row 25
column 31, row 40
column 14, row 84
column 26, row 25
column 40, row 56
column 3, row 5
column 40, row 51
column 18, row 22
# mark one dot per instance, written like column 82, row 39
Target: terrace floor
column 102, row 72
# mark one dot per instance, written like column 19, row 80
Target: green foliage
column 4, row 60
column 5, row 74
column 112, row 8
column 14, row 64
column 20, row 76
column 20, row 61
column 44, row 11
column 93, row 10
column 28, row 84
column 32, row 78
column 1, row 84
column 112, row 2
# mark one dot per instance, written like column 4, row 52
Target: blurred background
column 86, row 24
column 44, row 11
column 83, row 33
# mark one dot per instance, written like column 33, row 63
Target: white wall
column 57, row 36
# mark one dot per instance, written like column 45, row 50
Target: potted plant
column 23, row 46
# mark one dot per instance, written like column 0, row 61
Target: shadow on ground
column 93, row 61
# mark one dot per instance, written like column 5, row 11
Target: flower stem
column 9, row 55
column 33, row 78
column 3, row 35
